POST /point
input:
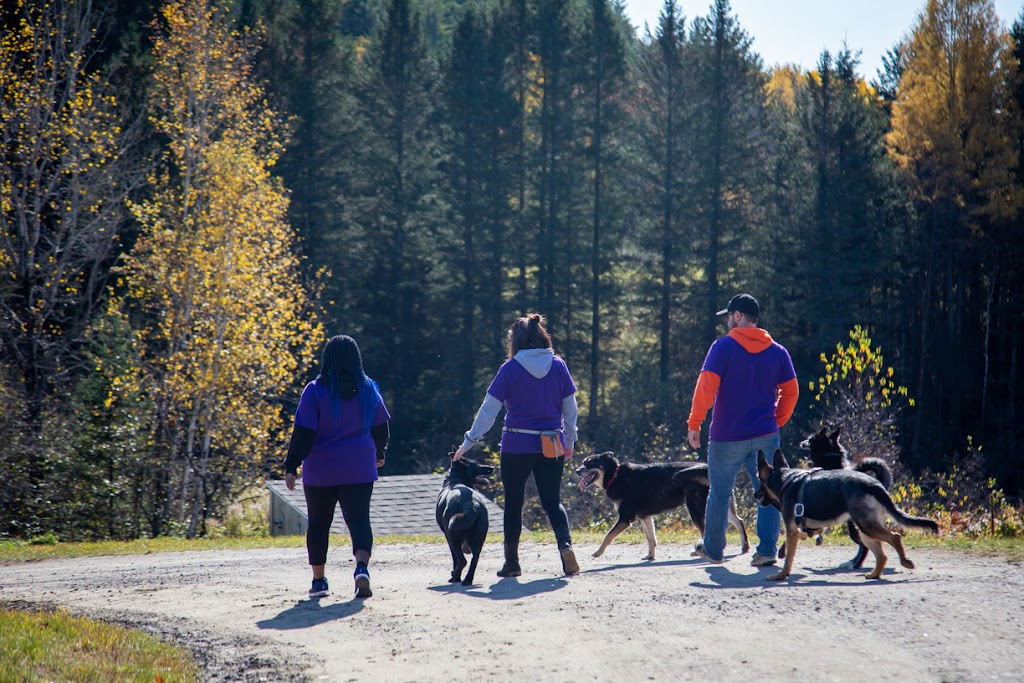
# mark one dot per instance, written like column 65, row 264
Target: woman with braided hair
column 339, row 437
column 539, row 396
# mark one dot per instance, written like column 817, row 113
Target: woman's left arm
column 570, row 414
column 381, row 435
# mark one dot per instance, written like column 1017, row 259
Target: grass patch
column 23, row 551
column 55, row 646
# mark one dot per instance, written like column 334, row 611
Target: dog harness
column 798, row 507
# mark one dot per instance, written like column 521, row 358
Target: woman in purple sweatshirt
column 537, row 391
column 339, row 437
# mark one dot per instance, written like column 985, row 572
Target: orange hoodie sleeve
column 788, row 393
column 703, row 398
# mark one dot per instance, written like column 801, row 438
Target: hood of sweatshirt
column 752, row 339
column 536, row 361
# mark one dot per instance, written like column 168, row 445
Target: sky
column 796, row 31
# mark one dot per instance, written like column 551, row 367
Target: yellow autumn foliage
column 228, row 320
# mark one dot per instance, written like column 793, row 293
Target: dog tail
column 901, row 518
column 877, row 468
column 466, row 518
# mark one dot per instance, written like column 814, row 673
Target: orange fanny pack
column 551, row 444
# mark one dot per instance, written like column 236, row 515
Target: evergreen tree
column 728, row 140
column 856, row 201
column 399, row 254
column 602, row 87
column 481, row 112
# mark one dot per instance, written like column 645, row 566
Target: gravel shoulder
column 246, row 616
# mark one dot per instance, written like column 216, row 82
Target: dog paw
column 873, row 574
column 467, row 583
column 648, row 558
column 597, row 553
column 455, row 579
column 908, row 563
column 847, row 565
column 779, row 576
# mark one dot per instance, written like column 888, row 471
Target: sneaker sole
column 319, row 594
column 363, row 587
column 569, row 563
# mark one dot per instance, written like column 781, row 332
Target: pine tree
column 728, row 140
column 400, row 252
column 481, row 111
column 602, row 87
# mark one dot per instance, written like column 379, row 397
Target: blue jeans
column 724, row 461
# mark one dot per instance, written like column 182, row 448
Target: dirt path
column 245, row 614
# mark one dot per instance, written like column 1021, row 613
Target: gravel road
column 246, row 616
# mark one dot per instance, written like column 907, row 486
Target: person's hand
column 289, row 481
column 380, row 461
column 568, row 454
column 693, row 436
column 459, row 452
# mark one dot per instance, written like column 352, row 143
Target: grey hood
column 536, row 361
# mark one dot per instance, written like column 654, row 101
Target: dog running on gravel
column 641, row 491
column 461, row 513
column 812, row 500
column 828, row 453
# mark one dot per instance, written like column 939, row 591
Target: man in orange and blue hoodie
column 749, row 379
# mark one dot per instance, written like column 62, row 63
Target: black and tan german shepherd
column 829, row 454
column 461, row 513
column 641, row 491
column 812, row 500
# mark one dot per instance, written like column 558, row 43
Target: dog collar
column 614, row 474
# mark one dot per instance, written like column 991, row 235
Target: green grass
column 19, row 551
column 55, row 646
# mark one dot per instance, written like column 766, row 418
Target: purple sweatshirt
column 538, row 393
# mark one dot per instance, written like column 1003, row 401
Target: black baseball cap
column 744, row 303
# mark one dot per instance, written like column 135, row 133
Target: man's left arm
column 788, row 394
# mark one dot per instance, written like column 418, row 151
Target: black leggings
column 355, row 508
column 547, row 474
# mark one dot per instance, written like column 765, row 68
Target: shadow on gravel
column 310, row 612
column 505, row 589
column 720, row 577
column 643, row 564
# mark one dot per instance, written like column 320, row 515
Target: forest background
column 195, row 195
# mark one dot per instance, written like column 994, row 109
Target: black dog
column 640, row 491
column 812, row 500
column 828, row 454
column 462, row 514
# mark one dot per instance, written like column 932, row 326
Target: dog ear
column 763, row 468
column 835, row 434
column 823, row 432
column 779, row 461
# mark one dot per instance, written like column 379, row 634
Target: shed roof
column 401, row 504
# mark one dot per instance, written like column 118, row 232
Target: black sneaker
column 319, row 588
column 362, row 578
